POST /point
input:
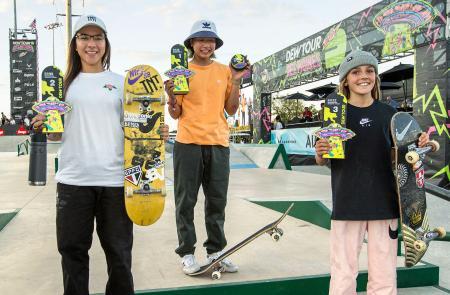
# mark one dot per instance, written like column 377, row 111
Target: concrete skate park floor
column 30, row 263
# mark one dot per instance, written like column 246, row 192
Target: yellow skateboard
column 144, row 147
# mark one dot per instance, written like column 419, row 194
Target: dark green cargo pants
column 209, row 166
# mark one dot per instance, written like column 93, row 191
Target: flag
column 33, row 25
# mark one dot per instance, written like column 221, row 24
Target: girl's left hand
column 164, row 131
column 238, row 75
column 424, row 139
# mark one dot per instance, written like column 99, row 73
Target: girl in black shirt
column 363, row 185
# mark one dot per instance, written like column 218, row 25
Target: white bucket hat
column 88, row 20
column 203, row 29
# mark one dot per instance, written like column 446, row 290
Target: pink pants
column 346, row 239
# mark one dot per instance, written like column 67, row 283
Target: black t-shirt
column 363, row 184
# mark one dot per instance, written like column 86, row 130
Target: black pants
column 76, row 209
column 209, row 166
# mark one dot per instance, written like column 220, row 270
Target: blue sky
column 142, row 31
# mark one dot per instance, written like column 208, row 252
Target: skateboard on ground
column 410, row 177
column 144, row 146
column 51, row 104
column 271, row 229
column 334, row 122
column 179, row 69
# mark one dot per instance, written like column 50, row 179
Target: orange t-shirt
column 202, row 120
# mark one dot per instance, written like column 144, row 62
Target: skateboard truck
column 424, row 238
column 276, row 234
column 414, row 155
column 145, row 190
column 144, row 98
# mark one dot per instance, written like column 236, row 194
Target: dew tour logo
column 133, row 174
column 206, row 25
column 92, row 19
column 23, row 46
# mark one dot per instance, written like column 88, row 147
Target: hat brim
column 203, row 34
column 92, row 25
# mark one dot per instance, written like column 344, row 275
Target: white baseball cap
column 203, row 29
column 88, row 20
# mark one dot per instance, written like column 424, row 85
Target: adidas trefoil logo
column 206, row 25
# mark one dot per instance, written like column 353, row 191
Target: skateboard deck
column 179, row 69
column 52, row 105
column 410, row 176
column 334, row 122
column 271, row 229
column 144, row 146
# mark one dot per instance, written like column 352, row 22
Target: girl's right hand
column 37, row 123
column 168, row 86
column 322, row 147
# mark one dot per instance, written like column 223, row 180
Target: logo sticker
column 402, row 174
column 133, row 174
column 420, row 179
column 109, row 87
column 365, row 122
column 402, row 134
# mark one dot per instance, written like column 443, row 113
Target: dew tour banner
column 388, row 29
column 23, row 76
column 385, row 29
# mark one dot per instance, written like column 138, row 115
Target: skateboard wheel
column 128, row 99
column 216, row 275
column 129, row 192
column 420, row 246
column 440, row 231
column 276, row 237
column 280, row 231
column 412, row 157
column 434, row 145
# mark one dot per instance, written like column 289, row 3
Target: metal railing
column 23, row 148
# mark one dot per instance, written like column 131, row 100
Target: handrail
column 25, row 144
column 437, row 191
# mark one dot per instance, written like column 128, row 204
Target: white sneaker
column 227, row 265
column 189, row 263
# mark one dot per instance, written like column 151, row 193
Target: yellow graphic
column 175, row 61
column 47, row 90
column 440, row 127
column 181, row 85
column 328, row 115
column 397, row 40
column 337, row 148
column 53, row 124
column 445, row 170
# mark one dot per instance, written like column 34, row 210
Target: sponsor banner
column 23, row 76
column 298, row 141
column 384, row 29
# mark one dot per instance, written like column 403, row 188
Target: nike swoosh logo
column 132, row 81
column 393, row 234
column 402, row 134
